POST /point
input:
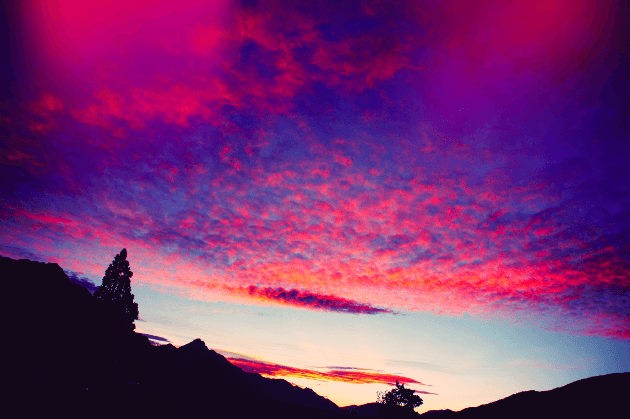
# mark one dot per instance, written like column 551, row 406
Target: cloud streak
column 309, row 300
column 156, row 338
column 82, row 281
column 341, row 375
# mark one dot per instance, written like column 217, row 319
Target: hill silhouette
column 376, row 411
column 66, row 358
column 595, row 397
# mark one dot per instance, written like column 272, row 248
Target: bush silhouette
column 400, row 396
column 115, row 293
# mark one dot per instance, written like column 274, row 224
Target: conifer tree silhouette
column 115, row 292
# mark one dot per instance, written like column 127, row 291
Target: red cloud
column 128, row 84
column 46, row 104
column 345, row 376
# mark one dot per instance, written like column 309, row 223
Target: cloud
column 86, row 283
column 341, row 375
column 348, row 368
column 405, row 157
column 15, row 252
column 424, row 392
column 311, row 300
column 156, row 338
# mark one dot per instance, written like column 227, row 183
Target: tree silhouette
column 115, row 292
column 400, row 396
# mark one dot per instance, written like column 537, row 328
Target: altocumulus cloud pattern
column 359, row 157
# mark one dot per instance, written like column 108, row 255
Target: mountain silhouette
column 376, row 411
column 67, row 358
column 594, row 397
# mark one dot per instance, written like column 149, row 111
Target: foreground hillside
column 66, row 359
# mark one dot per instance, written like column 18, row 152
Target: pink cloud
column 341, row 375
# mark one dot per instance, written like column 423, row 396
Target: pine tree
column 115, row 292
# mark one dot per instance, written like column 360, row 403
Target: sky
column 338, row 193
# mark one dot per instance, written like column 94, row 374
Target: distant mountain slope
column 66, row 358
column 603, row 396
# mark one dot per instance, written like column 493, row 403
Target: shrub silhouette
column 115, row 293
column 400, row 396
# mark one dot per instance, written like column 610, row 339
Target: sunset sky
column 339, row 193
